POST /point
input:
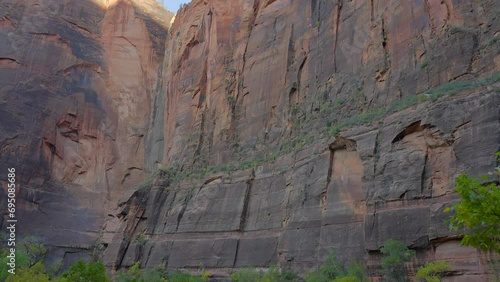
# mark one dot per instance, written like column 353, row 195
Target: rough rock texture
column 76, row 86
column 286, row 129
column 344, row 197
column 317, row 126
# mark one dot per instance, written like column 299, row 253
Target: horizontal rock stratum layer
column 294, row 128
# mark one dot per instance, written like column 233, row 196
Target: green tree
column 328, row 271
column 332, row 270
column 433, row 271
column 29, row 251
column 246, row 275
column 33, row 248
column 357, row 270
column 85, row 272
column 22, row 261
column 393, row 264
column 35, row 273
column 135, row 274
column 331, row 267
column 478, row 212
column 274, row 274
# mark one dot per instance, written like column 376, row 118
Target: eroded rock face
column 320, row 98
column 346, row 197
column 76, row 83
column 316, row 126
column 244, row 76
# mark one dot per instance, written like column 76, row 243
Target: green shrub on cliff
column 36, row 273
column 478, row 212
column 246, row 275
column 179, row 276
column 357, row 270
column 332, row 270
column 33, row 248
column 135, row 274
column 272, row 275
column 85, row 272
column 393, row 264
column 433, row 271
column 22, row 261
column 29, row 252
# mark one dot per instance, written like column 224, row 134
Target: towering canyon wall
column 300, row 127
column 76, row 85
column 283, row 129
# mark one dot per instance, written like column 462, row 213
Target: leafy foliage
column 135, row 274
column 357, row 270
column 33, row 248
column 393, row 264
column 433, row 271
column 22, row 261
column 333, row 270
column 35, row 273
column 85, row 272
column 478, row 213
column 179, row 276
column 29, row 252
column 246, row 275
column 272, row 275
column 331, row 267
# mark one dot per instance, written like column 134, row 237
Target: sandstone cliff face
column 294, row 127
column 317, row 126
column 76, row 83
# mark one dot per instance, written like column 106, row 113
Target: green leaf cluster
column 22, row 261
column 29, row 260
column 36, row 273
column 135, row 274
column 433, row 271
column 478, row 213
column 85, row 272
column 393, row 264
column 332, row 270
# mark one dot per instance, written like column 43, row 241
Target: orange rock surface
column 248, row 132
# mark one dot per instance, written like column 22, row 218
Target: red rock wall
column 344, row 123
column 76, row 81
column 238, row 71
column 263, row 85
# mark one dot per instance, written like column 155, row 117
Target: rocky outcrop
column 349, row 194
column 77, row 81
column 283, row 129
column 300, row 127
column 244, row 78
